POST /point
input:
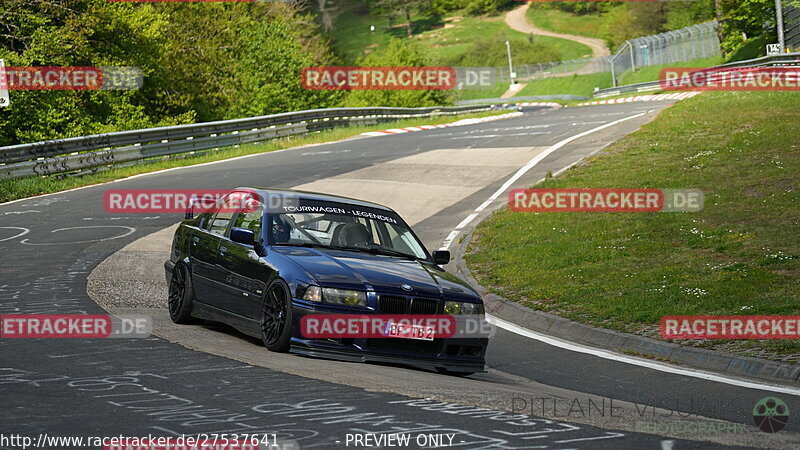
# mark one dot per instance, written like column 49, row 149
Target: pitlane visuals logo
column 771, row 414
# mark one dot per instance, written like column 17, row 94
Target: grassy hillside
column 624, row 271
column 575, row 85
column 564, row 22
column 652, row 73
column 455, row 39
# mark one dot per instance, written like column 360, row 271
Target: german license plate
column 409, row 331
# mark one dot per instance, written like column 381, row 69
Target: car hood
column 384, row 274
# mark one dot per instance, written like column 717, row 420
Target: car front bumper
column 453, row 354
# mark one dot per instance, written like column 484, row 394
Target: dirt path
column 517, row 20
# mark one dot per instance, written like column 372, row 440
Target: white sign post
column 4, row 99
column 774, row 49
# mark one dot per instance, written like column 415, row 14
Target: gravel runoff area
column 124, row 281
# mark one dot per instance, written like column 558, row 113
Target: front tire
column 276, row 317
column 181, row 295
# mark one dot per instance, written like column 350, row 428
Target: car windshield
column 343, row 226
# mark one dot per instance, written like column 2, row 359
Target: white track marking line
column 661, row 367
column 23, row 233
column 522, row 171
column 130, row 231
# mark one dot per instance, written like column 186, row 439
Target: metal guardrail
column 786, row 59
column 88, row 152
column 510, row 101
column 638, row 87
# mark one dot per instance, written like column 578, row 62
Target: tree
column 403, row 7
column 754, row 18
column 207, row 61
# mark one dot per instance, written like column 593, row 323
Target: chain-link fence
column 686, row 44
column 694, row 42
column 791, row 28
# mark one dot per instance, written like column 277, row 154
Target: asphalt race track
column 205, row 379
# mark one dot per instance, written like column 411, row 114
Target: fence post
column 613, row 73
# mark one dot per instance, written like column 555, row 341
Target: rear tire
column 181, row 295
column 453, row 373
column 276, row 317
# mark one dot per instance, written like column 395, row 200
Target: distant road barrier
column 785, row 59
column 92, row 152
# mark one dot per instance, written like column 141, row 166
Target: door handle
column 223, row 250
column 195, row 240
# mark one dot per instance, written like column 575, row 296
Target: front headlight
column 456, row 308
column 335, row 296
column 313, row 293
column 344, row 297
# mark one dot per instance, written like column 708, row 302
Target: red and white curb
column 550, row 104
column 643, row 98
column 442, row 125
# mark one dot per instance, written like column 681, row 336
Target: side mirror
column 441, row 256
column 189, row 214
column 242, row 236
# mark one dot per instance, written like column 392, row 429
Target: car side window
column 221, row 219
column 220, row 222
column 250, row 218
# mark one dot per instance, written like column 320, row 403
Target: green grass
column 493, row 92
column 564, row 22
column 351, row 34
column 750, row 49
column 448, row 39
column 27, row 187
column 448, row 44
column 584, row 84
column 575, row 85
column 652, row 73
column 624, row 271
column 566, row 48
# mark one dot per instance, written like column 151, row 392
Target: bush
column 200, row 62
column 752, row 48
column 398, row 53
column 479, row 7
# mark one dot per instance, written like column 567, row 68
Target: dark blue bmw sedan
column 277, row 256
